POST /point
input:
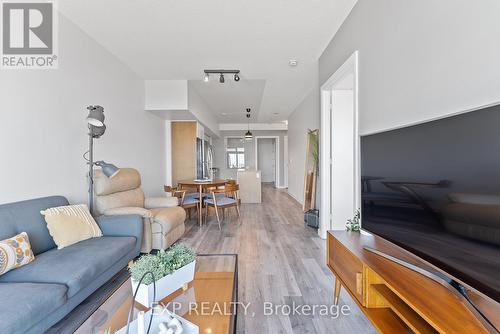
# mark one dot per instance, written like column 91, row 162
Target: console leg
column 336, row 293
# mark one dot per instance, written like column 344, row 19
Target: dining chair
column 223, row 199
column 186, row 200
column 192, row 192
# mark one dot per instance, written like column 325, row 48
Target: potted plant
column 172, row 269
column 354, row 224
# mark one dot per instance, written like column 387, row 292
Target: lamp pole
column 96, row 126
column 95, row 121
column 91, row 171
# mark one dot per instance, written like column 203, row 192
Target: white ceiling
column 229, row 101
column 178, row 39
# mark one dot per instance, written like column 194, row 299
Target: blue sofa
column 36, row 296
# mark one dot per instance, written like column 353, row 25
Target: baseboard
column 295, row 198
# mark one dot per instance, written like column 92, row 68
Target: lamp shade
column 96, row 116
column 109, row 170
column 248, row 135
column 97, row 131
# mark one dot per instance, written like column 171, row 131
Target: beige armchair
column 122, row 195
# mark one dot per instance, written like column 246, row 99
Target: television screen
column 434, row 189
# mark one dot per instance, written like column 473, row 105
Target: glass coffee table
column 209, row 301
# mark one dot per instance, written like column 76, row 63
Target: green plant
column 162, row 264
column 354, row 224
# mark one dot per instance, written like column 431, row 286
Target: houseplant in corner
column 172, row 269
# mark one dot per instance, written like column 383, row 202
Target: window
column 235, row 153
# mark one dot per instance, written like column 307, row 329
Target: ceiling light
column 293, row 62
column 248, row 135
column 221, row 73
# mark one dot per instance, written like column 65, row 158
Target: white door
column 339, row 148
column 343, row 158
column 267, row 159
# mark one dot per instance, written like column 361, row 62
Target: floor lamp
column 95, row 121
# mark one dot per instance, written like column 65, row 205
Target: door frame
column 350, row 66
column 285, row 161
column 277, row 175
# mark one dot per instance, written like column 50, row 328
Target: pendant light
column 248, row 134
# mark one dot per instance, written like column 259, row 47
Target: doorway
column 267, row 159
column 339, row 153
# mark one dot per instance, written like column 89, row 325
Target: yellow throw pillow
column 15, row 252
column 70, row 224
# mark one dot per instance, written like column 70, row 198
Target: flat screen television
column 434, row 189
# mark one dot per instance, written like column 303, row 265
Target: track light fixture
column 221, row 73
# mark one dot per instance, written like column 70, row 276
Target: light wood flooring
column 280, row 261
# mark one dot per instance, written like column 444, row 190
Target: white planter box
column 165, row 286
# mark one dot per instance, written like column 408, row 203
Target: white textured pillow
column 70, row 224
column 15, row 252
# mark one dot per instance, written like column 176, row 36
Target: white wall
column 304, row 117
column 44, row 132
column 419, row 60
column 166, row 94
column 200, row 109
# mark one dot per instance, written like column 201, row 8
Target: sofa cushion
column 25, row 304
column 126, row 179
column 168, row 219
column 25, row 217
column 129, row 198
column 76, row 266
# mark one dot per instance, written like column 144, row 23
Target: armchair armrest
column 161, row 202
column 128, row 211
column 121, row 226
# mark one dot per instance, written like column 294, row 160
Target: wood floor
column 280, row 261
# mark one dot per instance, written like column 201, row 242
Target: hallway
column 280, row 262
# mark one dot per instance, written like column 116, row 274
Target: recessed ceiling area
column 177, row 40
column 228, row 101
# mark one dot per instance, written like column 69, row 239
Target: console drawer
column 347, row 266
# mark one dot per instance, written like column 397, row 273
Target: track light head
column 236, row 77
column 221, row 78
column 206, row 78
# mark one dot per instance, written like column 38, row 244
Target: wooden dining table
column 200, row 186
